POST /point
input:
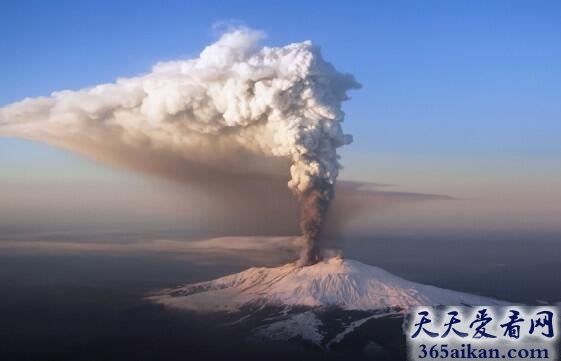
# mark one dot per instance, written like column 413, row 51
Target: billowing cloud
column 238, row 109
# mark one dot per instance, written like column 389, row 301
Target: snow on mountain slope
column 348, row 284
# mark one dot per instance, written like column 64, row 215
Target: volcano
column 337, row 282
column 322, row 303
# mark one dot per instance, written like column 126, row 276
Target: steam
column 231, row 110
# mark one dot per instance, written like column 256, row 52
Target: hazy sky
column 460, row 98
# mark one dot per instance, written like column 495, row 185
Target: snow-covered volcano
column 324, row 304
column 347, row 284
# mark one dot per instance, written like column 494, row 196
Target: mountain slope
column 347, row 284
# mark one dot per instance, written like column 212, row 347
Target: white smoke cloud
column 232, row 109
column 233, row 104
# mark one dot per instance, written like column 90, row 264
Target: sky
column 459, row 98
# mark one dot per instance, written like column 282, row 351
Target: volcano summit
column 292, row 301
column 337, row 282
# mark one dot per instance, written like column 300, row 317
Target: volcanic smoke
column 235, row 103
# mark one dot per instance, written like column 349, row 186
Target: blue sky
column 439, row 76
column 455, row 93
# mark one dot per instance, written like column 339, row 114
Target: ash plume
column 314, row 204
column 236, row 109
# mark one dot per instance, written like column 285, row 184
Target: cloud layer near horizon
column 267, row 250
